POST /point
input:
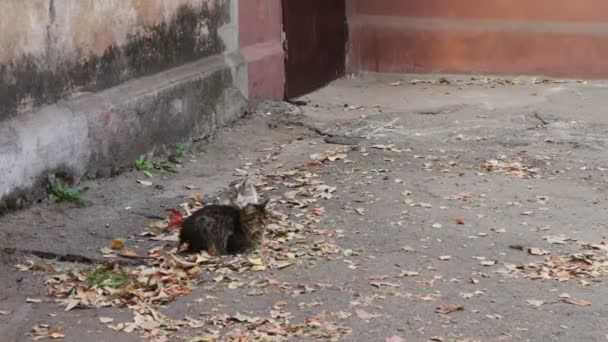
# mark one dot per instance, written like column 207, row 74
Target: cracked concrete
column 432, row 196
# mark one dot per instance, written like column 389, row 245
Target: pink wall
column 260, row 25
column 551, row 37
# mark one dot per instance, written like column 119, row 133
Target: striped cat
column 225, row 229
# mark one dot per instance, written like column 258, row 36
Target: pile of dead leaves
column 276, row 327
column 586, row 265
column 164, row 275
column 514, row 168
column 330, row 155
column 44, row 331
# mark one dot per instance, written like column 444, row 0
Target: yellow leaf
column 117, row 244
column 160, row 224
column 72, row 304
column 106, row 320
column 129, row 253
column 256, row 261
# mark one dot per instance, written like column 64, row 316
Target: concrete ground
column 464, row 209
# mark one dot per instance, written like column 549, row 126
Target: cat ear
column 264, row 204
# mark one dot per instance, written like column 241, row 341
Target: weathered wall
column 53, row 48
column 88, row 85
column 552, row 37
column 260, row 40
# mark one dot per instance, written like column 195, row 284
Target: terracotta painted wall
column 551, row 37
column 260, row 32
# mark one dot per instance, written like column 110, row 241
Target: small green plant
column 100, row 276
column 59, row 192
column 167, row 166
column 180, row 151
column 143, row 164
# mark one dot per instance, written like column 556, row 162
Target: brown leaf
column 366, row 316
column 459, row 220
column 129, row 253
column 579, row 302
column 379, row 277
column 117, row 244
column 544, row 228
column 449, row 308
column 106, row 320
column 144, row 182
column 312, row 163
column 538, row 251
column 55, row 333
column 505, row 337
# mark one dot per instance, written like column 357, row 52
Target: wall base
column 101, row 134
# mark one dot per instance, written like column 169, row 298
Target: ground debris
column 588, row 264
column 516, row 168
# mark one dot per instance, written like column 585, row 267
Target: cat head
column 243, row 193
column 254, row 216
column 239, row 193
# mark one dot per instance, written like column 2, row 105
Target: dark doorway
column 315, row 44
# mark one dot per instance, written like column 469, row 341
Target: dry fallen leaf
column 538, row 251
column 240, row 172
column 449, row 308
column 312, row 163
column 579, row 302
column 117, row 243
column 379, row 277
column 544, row 228
column 394, row 339
column 409, row 273
column 144, row 182
column 4, row 312
column 408, row 249
column 459, row 220
column 33, row 300
column 366, row 316
column 556, row 239
column 175, row 219
column 129, row 253
column 43, row 331
column 106, row 320
column 535, row 303
column 445, row 257
column 360, row 211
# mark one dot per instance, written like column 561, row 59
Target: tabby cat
column 225, row 229
column 239, row 194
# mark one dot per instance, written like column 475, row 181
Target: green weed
column 143, row 164
column 100, row 276
column 59, row 192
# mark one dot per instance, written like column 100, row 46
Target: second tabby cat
column 239, row 194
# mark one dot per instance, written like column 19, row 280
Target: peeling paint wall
column 51, row 49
